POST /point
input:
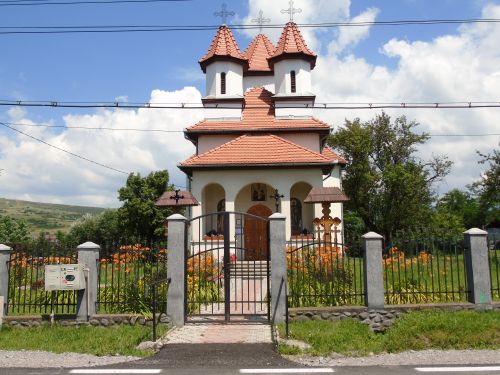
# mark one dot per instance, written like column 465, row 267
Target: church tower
column 259, row 149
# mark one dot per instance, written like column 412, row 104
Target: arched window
column 296, row 216
column 293, row 81
column 223, row 83
column 221, row 207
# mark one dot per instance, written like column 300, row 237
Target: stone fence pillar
column 277, row 251
column 4, row 275
column 374, row 276
column 176, row 258
column 88, row 255
column 477, row 266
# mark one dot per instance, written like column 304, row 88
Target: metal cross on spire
column 261, row 20
column 224, row 13
column 291, row 10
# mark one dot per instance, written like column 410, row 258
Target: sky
column 433, row 63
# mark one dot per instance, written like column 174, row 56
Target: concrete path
column 213, row 333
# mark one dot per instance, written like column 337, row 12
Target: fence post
column 176, row 271
column 88, row 255
column 4, row 275
column 477, row 266
column 277, row 246
column 374, row 276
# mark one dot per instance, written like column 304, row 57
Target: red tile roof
column 258, row 115
column 332, row 155
column 223, row 45
column 257, row 150
column 292, row 43
column 258, row 52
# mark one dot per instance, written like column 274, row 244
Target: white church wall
column 244, row 200
column 229, row 111
column 307, row 140
column 282, row 78
column 234, row 79
column 266, row 81
column 209, row 142
column 294, row 109
column 300, row 191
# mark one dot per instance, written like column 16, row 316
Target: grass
column 414, row 331
column 100, row 341
column 45, row 217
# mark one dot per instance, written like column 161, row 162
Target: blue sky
column 102, row 67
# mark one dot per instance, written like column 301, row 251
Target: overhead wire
column 65, row 127
column 193, row 105
column 78, row 2
column 171, row 28
column 64, row 150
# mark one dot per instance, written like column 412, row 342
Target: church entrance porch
column 226, row 275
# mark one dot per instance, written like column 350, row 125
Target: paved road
column 231, row 359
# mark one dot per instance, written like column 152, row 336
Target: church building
column 259, row 149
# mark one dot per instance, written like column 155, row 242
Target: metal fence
column 323, row 271
column 127, row 271
column 26, row 289
column 421, row 266
column 494, row 260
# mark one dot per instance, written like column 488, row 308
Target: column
column 477, row 266
column 4, row 275
column 374, row 276
column 277, row 245
column 176, row 254
column 88, row 255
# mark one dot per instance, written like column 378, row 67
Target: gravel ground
column 39, row 359
column 411, row 358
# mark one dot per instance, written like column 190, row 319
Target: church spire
column 223, row 46
column 292, row 44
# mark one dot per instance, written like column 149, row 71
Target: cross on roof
column 261, row 20
column 291, row 10
column 224, row 13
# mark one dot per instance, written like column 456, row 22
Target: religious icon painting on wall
column 258, row 192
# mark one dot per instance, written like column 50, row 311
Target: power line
column 32, row 2
column 182, row 131
column 63, row 150
column 172, row 28
column 187, row 106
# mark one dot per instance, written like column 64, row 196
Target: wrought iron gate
column 227, row 267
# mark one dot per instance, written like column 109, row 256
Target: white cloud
column 459, row 67
column 35, row 171
column 351, row 36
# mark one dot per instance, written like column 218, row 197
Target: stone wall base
column 377, row 320
column 105, row 320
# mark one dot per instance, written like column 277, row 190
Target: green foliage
column 101, row 228
column 98, row 341
column 389, row 187
column 417, row 330
column 488, row 188
column 138, row 216
column 12, row 230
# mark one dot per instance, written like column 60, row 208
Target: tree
column 488, row 188
column 388, row 186
column 101, row 228
column 463, row 205
column 138, row 216
column 13, row 230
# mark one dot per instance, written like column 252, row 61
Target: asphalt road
column 231, row 359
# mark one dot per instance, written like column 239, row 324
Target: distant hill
column 46, row 217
